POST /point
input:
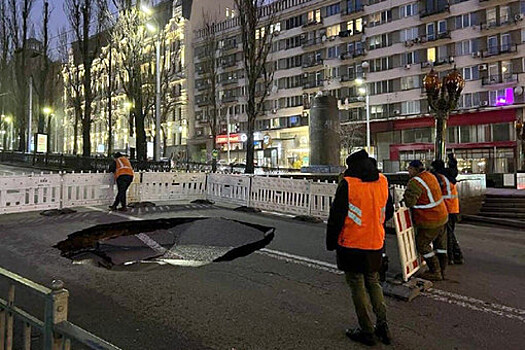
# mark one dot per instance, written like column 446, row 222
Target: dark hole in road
column 165, row 242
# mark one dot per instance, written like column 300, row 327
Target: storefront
column 286, row 148
column 483, row 142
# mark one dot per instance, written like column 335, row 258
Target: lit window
column 333, row 30
column 431, row 54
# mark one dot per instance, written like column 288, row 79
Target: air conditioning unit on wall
column 482, row 67
column 484, row 103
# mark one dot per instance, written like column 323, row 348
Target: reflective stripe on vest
column 449, row 194
column 121, row 165
column 432, row 203
column 354, row 213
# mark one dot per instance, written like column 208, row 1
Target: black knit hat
column 417, row 164
column 117, row 155
column 438, row 164
column 356, row 157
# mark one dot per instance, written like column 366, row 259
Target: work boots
column 434, row 270
column 443, row 262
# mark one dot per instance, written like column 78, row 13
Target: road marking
column 113, row 213
column 435, row 294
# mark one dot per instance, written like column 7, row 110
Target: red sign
column 234, row 138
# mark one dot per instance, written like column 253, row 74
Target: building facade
column 322, row 45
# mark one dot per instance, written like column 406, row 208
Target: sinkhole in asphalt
column 138, row 245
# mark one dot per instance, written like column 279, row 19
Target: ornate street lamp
column 442, row 98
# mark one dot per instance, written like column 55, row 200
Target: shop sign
column 234, row 138
column 41, row 143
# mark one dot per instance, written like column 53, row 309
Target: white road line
column 113, row 213
column 435, row 294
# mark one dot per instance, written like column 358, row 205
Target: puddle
column 138, row 245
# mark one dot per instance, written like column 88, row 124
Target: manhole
column 172, row 242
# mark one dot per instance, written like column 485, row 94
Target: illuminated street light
column 153, row 29
column 146, row 9
column 47, row 111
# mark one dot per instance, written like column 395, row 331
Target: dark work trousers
column 365, row 287
column 452, row 243
column 123, row 182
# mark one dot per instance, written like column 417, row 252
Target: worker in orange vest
column 450, row 195
column 429, row 213
column 123, row 171
column 355, row 230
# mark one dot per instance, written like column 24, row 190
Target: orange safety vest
column 451, row 197
column 363, row 227
column 429, row 208
column 123, row 167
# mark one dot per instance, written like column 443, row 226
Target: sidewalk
column 505, row 192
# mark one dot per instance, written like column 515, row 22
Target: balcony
column 312, row 85
column 229, row 99
column 441, row 8
column 201, row 86
column 512, row 19
column 313, row 24
column 499, row 50
column 202, row 103
column 229, row 81
column 228, row 64
column 230, row 45
column 437, row 63
column 428, row 38
column 313, row 63
column 506, row 78
column 312, row 42
column 346, row 77
column 350, row 55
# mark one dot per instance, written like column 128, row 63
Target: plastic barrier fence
column 87, row 189
column 168, row 186
column 406, row 243
column 30, row 192
column 229, row 189
column 280, row 195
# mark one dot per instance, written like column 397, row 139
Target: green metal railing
column 57, row 332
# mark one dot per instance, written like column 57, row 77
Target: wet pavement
column 285, row 296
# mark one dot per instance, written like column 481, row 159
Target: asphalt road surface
column 287, row 296
column 15, row 170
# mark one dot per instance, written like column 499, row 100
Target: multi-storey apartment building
column 322, row 45
column 177, row 20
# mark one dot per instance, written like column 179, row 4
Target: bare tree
column 86, row 21
column 18, row 19
column 42, row 74
column 257, row 31
column 351, row 136
column 136, row 61
column 72, row 84
column 210, row 70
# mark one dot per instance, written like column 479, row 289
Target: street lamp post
column 48, row 112
column 155, row 29
column 363, row 91
column 443, row 97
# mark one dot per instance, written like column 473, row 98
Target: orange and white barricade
column 406, row 242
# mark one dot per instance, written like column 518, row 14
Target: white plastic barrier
column 229, row 189
column 168, row 186
column 473, row 185
column 280, row 195
column 29, row 192
column 87, row 189
column 520, row 181
column 321, row 196
column 406, row 243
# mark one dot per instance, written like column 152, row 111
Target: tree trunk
column 86, row 137
column 250, row 148
column 22, row 131
column 49, row 134
column 78, row 114
column 141, row 135
column 164, row 141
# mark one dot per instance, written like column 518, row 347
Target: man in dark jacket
column 455, row 255
column 355, row 230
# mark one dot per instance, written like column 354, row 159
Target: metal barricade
column 167, row 186
column 321, row 196
column 281, row 195
column 87, row 189
column 29, row 192
column 57, row 332
column 406, row 243
column 229, row 189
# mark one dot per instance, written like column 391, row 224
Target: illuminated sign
column 234, row 138
column 41, row 143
